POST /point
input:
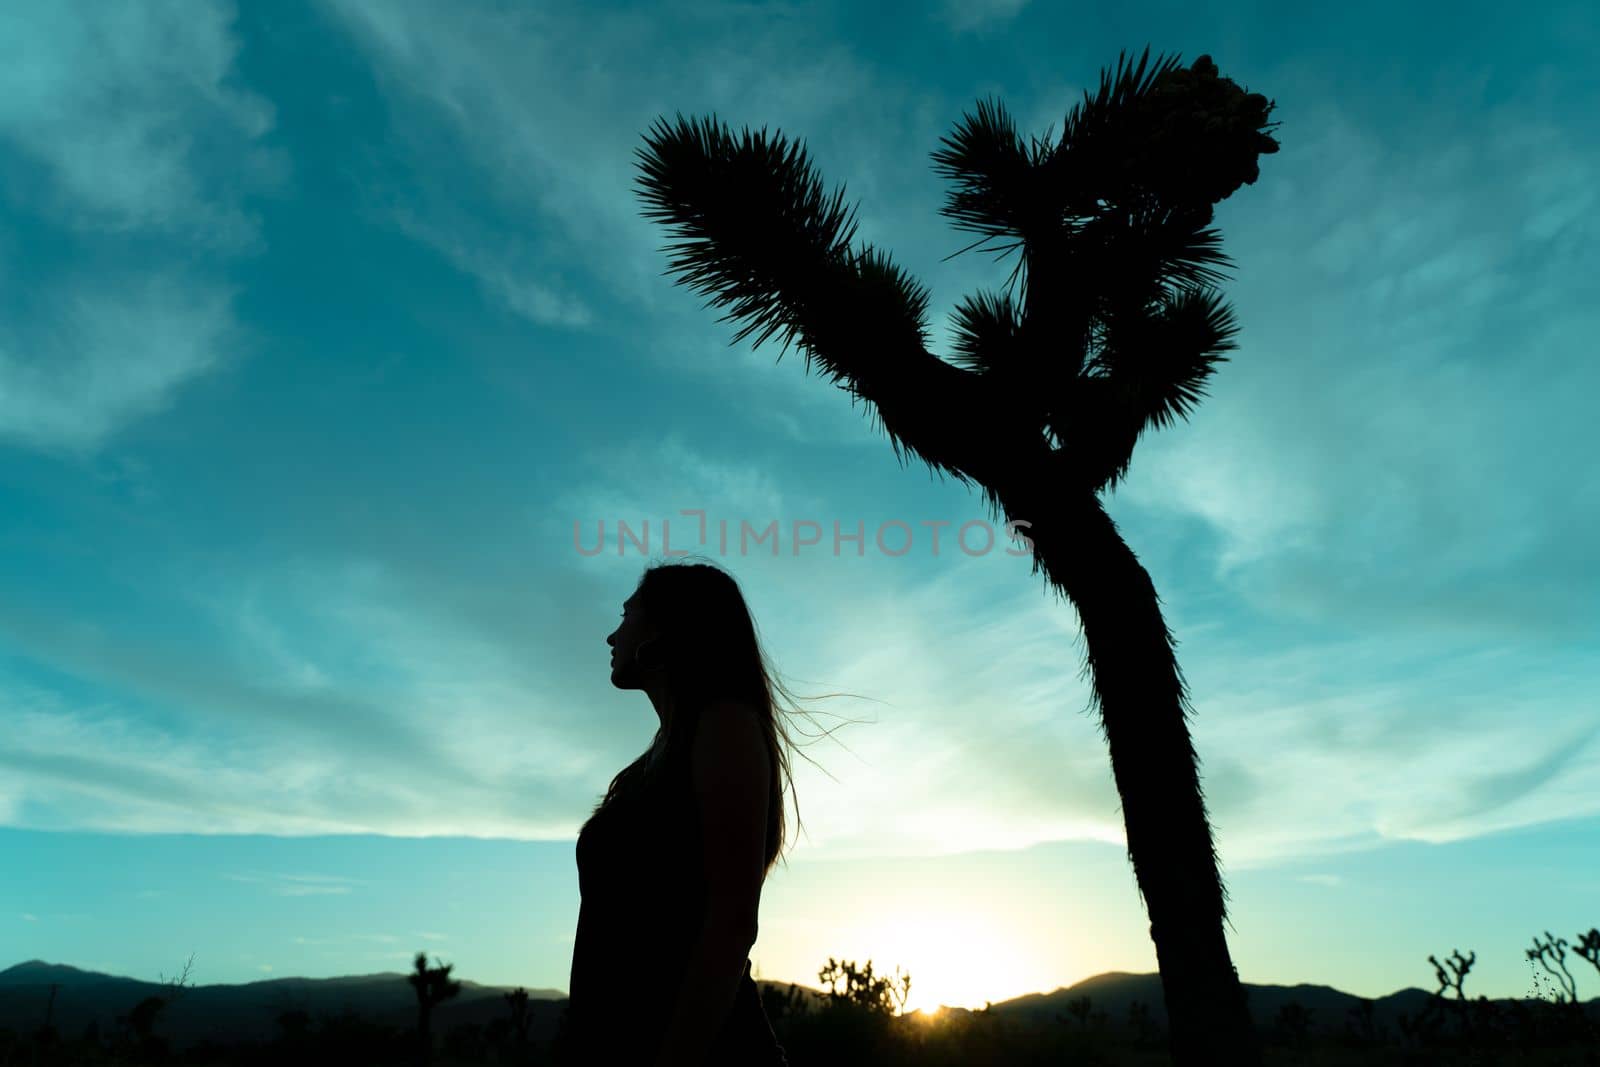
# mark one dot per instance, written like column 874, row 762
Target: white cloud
column 974, row 732
column 1390, row 445
column 122, row 107
column 298, row 885
column 553, row 133
column 126, row 130
column 104, row 353
column 1330, row 880
column 963, row 16
column 1349, row 744
column 500, row 265
column 311, row 885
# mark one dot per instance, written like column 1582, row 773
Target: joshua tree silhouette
column 141, row 1018
column 1588, row 947
column 517, row 1003
column 1115, row 330
column 433, row 986
column 46, row 1033
column 1553, row 950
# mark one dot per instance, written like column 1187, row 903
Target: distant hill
column 245, row 1012
column 1330, row 1009
column 40, row 971
column 249, row 1012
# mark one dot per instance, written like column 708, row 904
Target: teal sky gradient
column 322, row 323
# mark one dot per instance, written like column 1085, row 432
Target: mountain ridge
column 249, row 1011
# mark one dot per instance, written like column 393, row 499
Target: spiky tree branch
column 761, row 238
column 1115, row 330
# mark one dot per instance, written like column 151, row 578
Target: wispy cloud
column 104, row 352
column 1330, row 880
column 488, row 79
column 507, row 267
column 481, row 80
column 298, row 885
column 124, row 132
column 935, row 654
column 964, row 16
column 163, row 779
column 1407, row 491
column 310, row 885
column 156, row 138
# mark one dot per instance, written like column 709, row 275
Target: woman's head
column 687, row 630
column 687, row 634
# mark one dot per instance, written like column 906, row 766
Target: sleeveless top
column 643, row 901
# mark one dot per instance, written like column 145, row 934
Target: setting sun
column 954, row 960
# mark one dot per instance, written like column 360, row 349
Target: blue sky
column 323, row 323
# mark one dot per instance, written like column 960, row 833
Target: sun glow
column 956, row 960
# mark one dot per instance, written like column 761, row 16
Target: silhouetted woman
column 671, row 862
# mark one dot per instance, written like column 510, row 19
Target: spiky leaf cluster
column 1116, row 326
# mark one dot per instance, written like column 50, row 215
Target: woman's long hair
column 711, row 649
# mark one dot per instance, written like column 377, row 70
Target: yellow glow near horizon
column 958, row 960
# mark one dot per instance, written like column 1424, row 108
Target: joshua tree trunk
column 1140, row 692
column 424, row 1035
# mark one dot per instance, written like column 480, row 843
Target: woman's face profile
column 631, row 631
